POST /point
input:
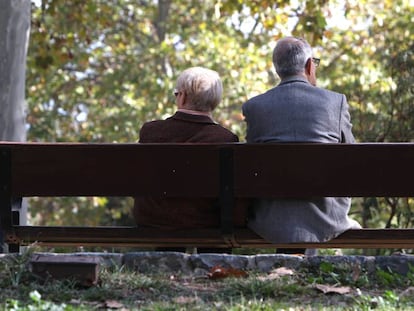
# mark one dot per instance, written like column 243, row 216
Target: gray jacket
column 296, row 111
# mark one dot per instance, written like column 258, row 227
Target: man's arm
column 345, row 123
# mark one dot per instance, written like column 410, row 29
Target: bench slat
column 309, row 170
column 114, row 170
column 150, row 237
column 265, row 170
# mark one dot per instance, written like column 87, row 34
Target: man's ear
column 308, row 66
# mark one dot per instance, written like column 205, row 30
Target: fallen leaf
column 409, row 292
column 328, row 289
column 277, row 273
column 356, row 272
column 283, row 271
column 218, row 272
column 185, row 300
column 75, row 301
column 113, row 304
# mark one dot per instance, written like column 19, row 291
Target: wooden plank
column 151, row 237
column 120, row 236
column 114, row 170
column 261, row 170
column 356, row 238
column 306, row 170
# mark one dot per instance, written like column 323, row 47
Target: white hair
column 290, row 56
column 202, row 86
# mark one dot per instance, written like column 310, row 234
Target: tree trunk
column 14, row 39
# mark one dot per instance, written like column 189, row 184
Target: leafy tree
column 372, row 62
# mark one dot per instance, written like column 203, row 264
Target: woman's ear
column 181, row 99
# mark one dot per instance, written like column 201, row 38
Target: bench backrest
column 225, row 171
column 187, row 170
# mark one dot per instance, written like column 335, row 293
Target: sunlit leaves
column 360, row 62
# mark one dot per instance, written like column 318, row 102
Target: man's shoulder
column 329, row 93
column 306, row 86
column 261, row 97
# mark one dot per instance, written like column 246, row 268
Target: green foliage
column 344, row 274
column 389, row 279
column 14, row 270
column 38, row 304
column 121, row 288
column 97, row 70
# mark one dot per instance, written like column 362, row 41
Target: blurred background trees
column 97, row 70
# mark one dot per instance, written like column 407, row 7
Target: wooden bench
column 226, row 171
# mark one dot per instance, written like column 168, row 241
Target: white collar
column 195, row 112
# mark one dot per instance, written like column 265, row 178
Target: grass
column 327, row 288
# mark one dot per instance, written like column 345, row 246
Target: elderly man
column 298, row 111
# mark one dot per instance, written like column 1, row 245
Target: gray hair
column 202, row 86
column 290, row 56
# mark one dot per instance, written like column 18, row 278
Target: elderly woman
column 198, row 92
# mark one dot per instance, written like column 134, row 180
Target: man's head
column 199, row 89
column 293, row 56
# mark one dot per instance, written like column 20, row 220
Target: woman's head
column 202, row 88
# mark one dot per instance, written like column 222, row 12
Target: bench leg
column 12, row 247
column 226, row 195
column 5, row 197
column 1, row 242
column 15, row 248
